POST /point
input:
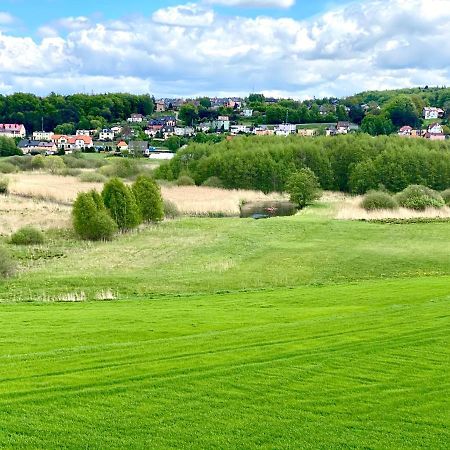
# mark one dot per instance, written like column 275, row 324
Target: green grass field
column 291, row 333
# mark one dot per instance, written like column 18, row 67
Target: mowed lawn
column 363, row 365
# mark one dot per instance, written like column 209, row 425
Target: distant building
column 430, row 112
column 12, row 130
column 307, row 132
column 35, row 146
column 285, row 129
column 160, row 106
column 435, row 132
column 72, row 143
column 223, row 123
column 42, row 135
column 263, row 131
column 122, row 146
column 239, row 129
column 136, row 118
column 106, row 135
column 247, row 112
column 86, row 132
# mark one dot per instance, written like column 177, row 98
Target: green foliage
column 173, row 143
column 214, row 182
column 171, row 210
column 303, row 187
column 419, row 198
column 148, row 199
column 92, row 177
column 119, row 200
column 4, row 185
column 38, row 162
column 376, row 125
column 268, row 208
column 7, row 167
column 8, row 147
column 27, row 236
column 120, row 168
column 90, row 219
column 185, row 180
column 188, row 114
column 378, row 200
column 446, row 196
column 54, row 164
column 7, row 265
column 402, row 111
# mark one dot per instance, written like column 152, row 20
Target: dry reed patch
column 348, row 208
column 49, row 187
column 16, row 212
column 196, row 200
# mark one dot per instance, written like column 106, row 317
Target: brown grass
column 349, row 208
column 16, row 212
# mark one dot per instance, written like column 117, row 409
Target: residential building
column 405, row 131
column 106, row 135
column 307, row 132
column 136, row 118
column 184, row 131
column 116, row 130
column 247, row 112
column 35, row 146
column 42, row 135
column 160, row 106
column 285, row 129
column 138, row 148
column 430, row 112
column 223, row 123
column 70, row 143
column 12, row 130
column 85, row 132
column 263, row 131
column 435, row 132
column 122, row 146
column 342, row 128
column 239, row 129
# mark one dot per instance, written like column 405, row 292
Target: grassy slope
column 211, row 255
column 356, row 366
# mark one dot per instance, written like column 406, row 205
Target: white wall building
column 42, row 135
column 12, row 130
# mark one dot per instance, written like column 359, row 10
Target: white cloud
column 190, row 15
column 6, row 18
column 254, row 3
column 188, row 50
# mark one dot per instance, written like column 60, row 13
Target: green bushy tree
column 148, row 199
column 119, row 200
column 303, row 187
column 91, row 220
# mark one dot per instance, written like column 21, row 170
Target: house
column 122, row 146
column 342, row 128
column 32, row 146
column 430, row 112
column 12, row 130
column 247, row 112
column 285, row 129
column 331, row 130
column 223, row 123
column 263, row 131
column 136, row 118
column 307, row 132
column 70, row 143
column 160, row 106
column 106, row 135
column 184, row 131
column 85, row 132
column 405, row 131
column 238, row 129
column 435, row 132
column 116, row 130
column 42, row 135
column 234, row 103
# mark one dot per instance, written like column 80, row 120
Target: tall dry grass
column 349, row 208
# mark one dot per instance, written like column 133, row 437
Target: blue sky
column 295, row 48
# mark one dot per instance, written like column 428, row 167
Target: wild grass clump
column 171, row 210
column 446, row 196
column 69, row 172
column 27, row 236
column 4, row 185
column 185, row 180
column 268, row 208
column 7, row 266
column 374, row 200
column 214, row 182
column 7, row 167
column 92, row 177
column 419, row 198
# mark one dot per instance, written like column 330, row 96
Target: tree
column 65, row 128
column 8, row 147
column 205, row 102
column 148, row 199
column 54, row 164
column 188, row 114
column 90, row 219
column 119, row 200
column 173, row 143
column 377, row 125
column 303, row 187
column 402, row 111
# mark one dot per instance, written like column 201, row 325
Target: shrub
column 378, row 200
column 7, row 167
column 419, row 197
column 446, row 196
column 68, row 172
column 120, row 168
column 90, row 219
column 120, row 201
column 268, row 208
column 21, row 162
column 37, row 162
column 148, row 199
column 171, row 210
column 7, row 266
column 4, row 183
column 214, row 182
column 92, row 177
column 54, row 164
column 27, row 236
column 185, row 180
column 303, row 187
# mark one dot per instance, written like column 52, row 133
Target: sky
column 290, row 48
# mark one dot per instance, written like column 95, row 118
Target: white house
column 136, row 118
column 42, row 135
column 85, row 132
column 122, row 146
column 285, row 129
column 430, row 112
column 247, row 112
column 342, row 128
column 12, row 130
column 223, row 122
column 435, row 128
column 69, row 143
column 307, row 132
column 106, row 135
column 236, row 129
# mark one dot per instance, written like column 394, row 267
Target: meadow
column 294, row 332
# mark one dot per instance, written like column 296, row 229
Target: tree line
column 351, row 163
